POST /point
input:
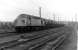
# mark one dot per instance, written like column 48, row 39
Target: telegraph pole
column 58, row 18
column 40, row 14
column 75, row 17
column 40, row 11
column 53, row 16
column 76, row 21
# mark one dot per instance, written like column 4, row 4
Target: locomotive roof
column 25, row 15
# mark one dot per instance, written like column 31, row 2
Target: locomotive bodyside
column 26, row 22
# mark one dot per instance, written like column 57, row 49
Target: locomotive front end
column 21, row 23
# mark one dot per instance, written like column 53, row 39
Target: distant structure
column 76, row 17
column 53, row 16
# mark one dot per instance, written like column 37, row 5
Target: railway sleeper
column 37, row 41
column 42, row 44
column 53, row 44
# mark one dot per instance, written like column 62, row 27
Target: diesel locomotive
column 25, row 22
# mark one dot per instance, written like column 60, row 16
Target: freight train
column 25, row 22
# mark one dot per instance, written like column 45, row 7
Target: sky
column 65, row 10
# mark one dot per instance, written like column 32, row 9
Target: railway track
column 28, row 43
column 51, row 45
column 8, row 39
column 33, row 47
column 32, row 39
column 6, row 34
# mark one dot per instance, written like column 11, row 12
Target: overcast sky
column 65, row 9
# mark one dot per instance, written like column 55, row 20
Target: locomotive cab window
column 23, row 21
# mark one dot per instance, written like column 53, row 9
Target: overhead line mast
column 40, row 14
column 40, row 11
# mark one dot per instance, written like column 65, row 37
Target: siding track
column 34, row 40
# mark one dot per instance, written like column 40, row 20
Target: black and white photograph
column 38, row 24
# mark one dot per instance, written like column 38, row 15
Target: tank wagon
column 25, row 22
